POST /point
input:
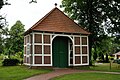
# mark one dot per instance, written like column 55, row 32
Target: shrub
column 10, row 62
column 18, row 56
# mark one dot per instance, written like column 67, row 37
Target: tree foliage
column 1, row 3
column 92, row 13
column 16, row 37
column 99, row 17
column 111, row 16
column 4, row 39
column 11, row 41
column 1, row 18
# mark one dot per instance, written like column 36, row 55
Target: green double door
column 60, row 52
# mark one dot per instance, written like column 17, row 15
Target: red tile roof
column 57, row 21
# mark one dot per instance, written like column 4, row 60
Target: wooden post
column 110, row 64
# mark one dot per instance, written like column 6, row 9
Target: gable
column 57, row 21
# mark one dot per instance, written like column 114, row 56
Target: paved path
column 58, row 72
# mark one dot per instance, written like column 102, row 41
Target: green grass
column 19, row 72
column 102, row 67
column 106, row 67
column 88, row 76
column 94, row 75
column 22, row 72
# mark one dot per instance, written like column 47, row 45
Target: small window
column 38, row 59
column 77, row 40
column 84, row 59
column 77, row 49
column 25, row 50
column 27, row 39
column 84, row 49
column 38, row 38
column 47, row 39
column 38, row 49
column 46, row 49
column 24, row 40
column 77, row 59
column 47, row 59
column 84, row 40
column 28, row 48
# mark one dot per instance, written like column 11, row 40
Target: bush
column 10, row 62
column 19, row 56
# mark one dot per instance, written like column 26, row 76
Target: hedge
column 10, row 62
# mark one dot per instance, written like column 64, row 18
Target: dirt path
column 58, row 72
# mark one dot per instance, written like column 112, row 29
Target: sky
column 27, row 13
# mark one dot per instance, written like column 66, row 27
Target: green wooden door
column 60, row 52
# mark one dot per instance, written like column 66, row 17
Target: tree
column 1, row 3
column 94, row 15
column 117, row 43
column 2, row 19
column 3, row 39
column 112, row 16
column 16, row 38
column 5, row 2
column 2, row 25
column 13, row 40
column 1, row 46
column 3, row 30
column 82, row 11
column 106, row 46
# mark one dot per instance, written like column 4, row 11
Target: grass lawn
column 22, row 72
column 88, row 76
column 103, row 67
column 94, row 75
column 19, row 72
column 106, row 67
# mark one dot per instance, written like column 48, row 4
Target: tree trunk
column 89, row 2
column 107, row 60
column 9, row 54
column 90, row 50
